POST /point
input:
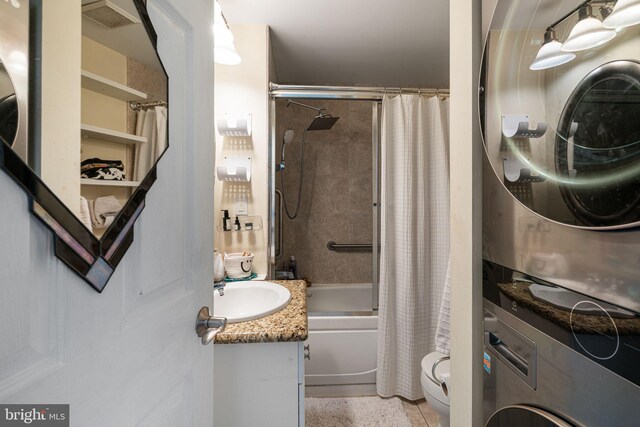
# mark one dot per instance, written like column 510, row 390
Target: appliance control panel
column 605, row 333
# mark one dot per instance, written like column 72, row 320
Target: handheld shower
column 286, row 139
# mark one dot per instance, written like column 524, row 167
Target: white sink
column 249, row 300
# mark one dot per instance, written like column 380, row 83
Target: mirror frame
column 91, row 258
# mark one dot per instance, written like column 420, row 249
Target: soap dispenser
column 226, row 220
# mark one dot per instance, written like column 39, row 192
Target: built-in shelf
column 110, row 88
column 109, row 183
column 89, row 131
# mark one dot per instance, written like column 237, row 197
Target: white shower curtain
column 151, row 124
column 414, row 237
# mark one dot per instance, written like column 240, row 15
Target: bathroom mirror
column 83, row 122
column 8, row 108
column 563, row 140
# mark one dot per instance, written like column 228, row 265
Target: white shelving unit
column 108, row 183
column 110, row 88
column 89, row 131
column 113, row 89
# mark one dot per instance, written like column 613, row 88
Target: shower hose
column 301, row 174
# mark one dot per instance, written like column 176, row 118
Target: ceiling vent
column 108, row 15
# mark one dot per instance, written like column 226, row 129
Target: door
column 128, row 356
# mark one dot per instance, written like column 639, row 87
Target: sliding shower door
column 334, row 237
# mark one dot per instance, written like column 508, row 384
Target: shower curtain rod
column 347, row 92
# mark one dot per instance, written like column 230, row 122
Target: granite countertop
column 578, row 323
column 288, row 324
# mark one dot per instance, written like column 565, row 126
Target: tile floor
column 420, row 413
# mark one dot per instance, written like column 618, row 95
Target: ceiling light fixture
column 551, row 54
column 588, row 32
column 224, row 50
column 624, row 14
column 226, row 54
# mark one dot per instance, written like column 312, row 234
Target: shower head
column 322, row 122
column 287, row 137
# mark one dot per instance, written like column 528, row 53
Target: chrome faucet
column 219, row 286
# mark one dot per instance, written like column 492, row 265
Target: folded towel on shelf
column 85, row 214
column 443, row 333
column 103, row 211
column 95, row 168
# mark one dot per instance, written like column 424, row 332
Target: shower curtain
column 151, row 124
column 414, row 237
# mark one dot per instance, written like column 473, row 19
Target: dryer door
column 521, row 415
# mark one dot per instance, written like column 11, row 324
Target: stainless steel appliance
column 554, row 357
column 561, row 219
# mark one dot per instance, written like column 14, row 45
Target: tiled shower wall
column 336, row 202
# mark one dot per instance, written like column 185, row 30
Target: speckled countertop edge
column 286, row 325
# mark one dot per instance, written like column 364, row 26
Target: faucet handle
column 219, row 286
column 207, row 327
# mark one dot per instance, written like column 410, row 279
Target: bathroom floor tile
column 414, row 414
column 430, row 416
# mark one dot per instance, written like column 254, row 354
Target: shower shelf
column 517, row 126
column 515, row 170
column 254, row 220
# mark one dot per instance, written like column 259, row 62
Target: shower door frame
column 374, row 95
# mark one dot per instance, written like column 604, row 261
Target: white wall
column 60, row 151
column 244, row 88
column 466, row 219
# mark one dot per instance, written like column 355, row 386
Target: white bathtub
column 343, row 333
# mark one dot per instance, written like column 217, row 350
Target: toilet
column 434, row 393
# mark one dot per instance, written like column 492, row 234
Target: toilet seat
column 426, row 377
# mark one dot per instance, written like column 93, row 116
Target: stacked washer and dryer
column 561, row 219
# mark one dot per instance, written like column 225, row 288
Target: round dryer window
column 597, row 148
column 521, row 415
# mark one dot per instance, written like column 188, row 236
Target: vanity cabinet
column 259, row 384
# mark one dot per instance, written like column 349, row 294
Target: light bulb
column 587, row 33
column 550, row 54
column 624, row 14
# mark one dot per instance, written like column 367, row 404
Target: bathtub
column 343, row 333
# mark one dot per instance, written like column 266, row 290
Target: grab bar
column 279, row 247
column 350, row 247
